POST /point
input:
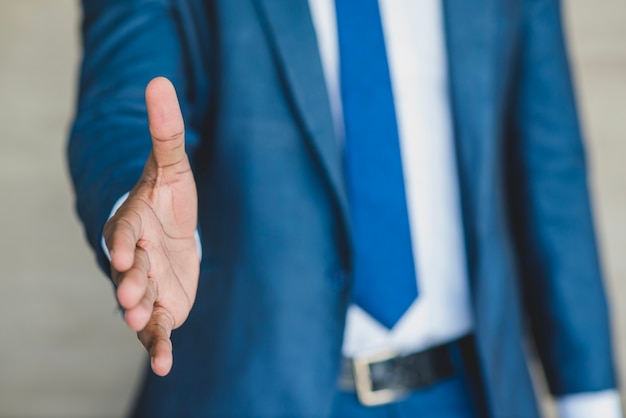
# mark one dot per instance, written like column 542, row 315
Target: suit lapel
column 480, row 39
column 291, row 30
column 478, row 42
column 471, row 62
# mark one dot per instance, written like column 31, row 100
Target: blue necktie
column 383, row 268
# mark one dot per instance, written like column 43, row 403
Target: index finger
column 121, row 234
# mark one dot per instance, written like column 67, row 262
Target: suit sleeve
column 552, row 218
column 125, row 44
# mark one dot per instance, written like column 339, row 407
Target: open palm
column 154, row 258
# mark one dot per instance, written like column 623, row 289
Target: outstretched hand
column 154, row 259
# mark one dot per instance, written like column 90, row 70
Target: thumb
column 166, row 122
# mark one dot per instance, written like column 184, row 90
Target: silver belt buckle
column 363, row 380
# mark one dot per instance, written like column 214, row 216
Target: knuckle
column 177, row 135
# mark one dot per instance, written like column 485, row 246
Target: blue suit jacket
column 264, row 337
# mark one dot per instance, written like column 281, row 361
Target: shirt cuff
column 605, row 404
column 118, row 204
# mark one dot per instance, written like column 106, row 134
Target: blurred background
column 64, row 350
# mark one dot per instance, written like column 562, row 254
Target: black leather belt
column 386, row 376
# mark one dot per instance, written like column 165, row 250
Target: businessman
column 350, row 208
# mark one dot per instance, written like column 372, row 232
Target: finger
column 156, row 339
column 166, row 122
column 138, row 316
column 133, row 284
column 121, row 234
